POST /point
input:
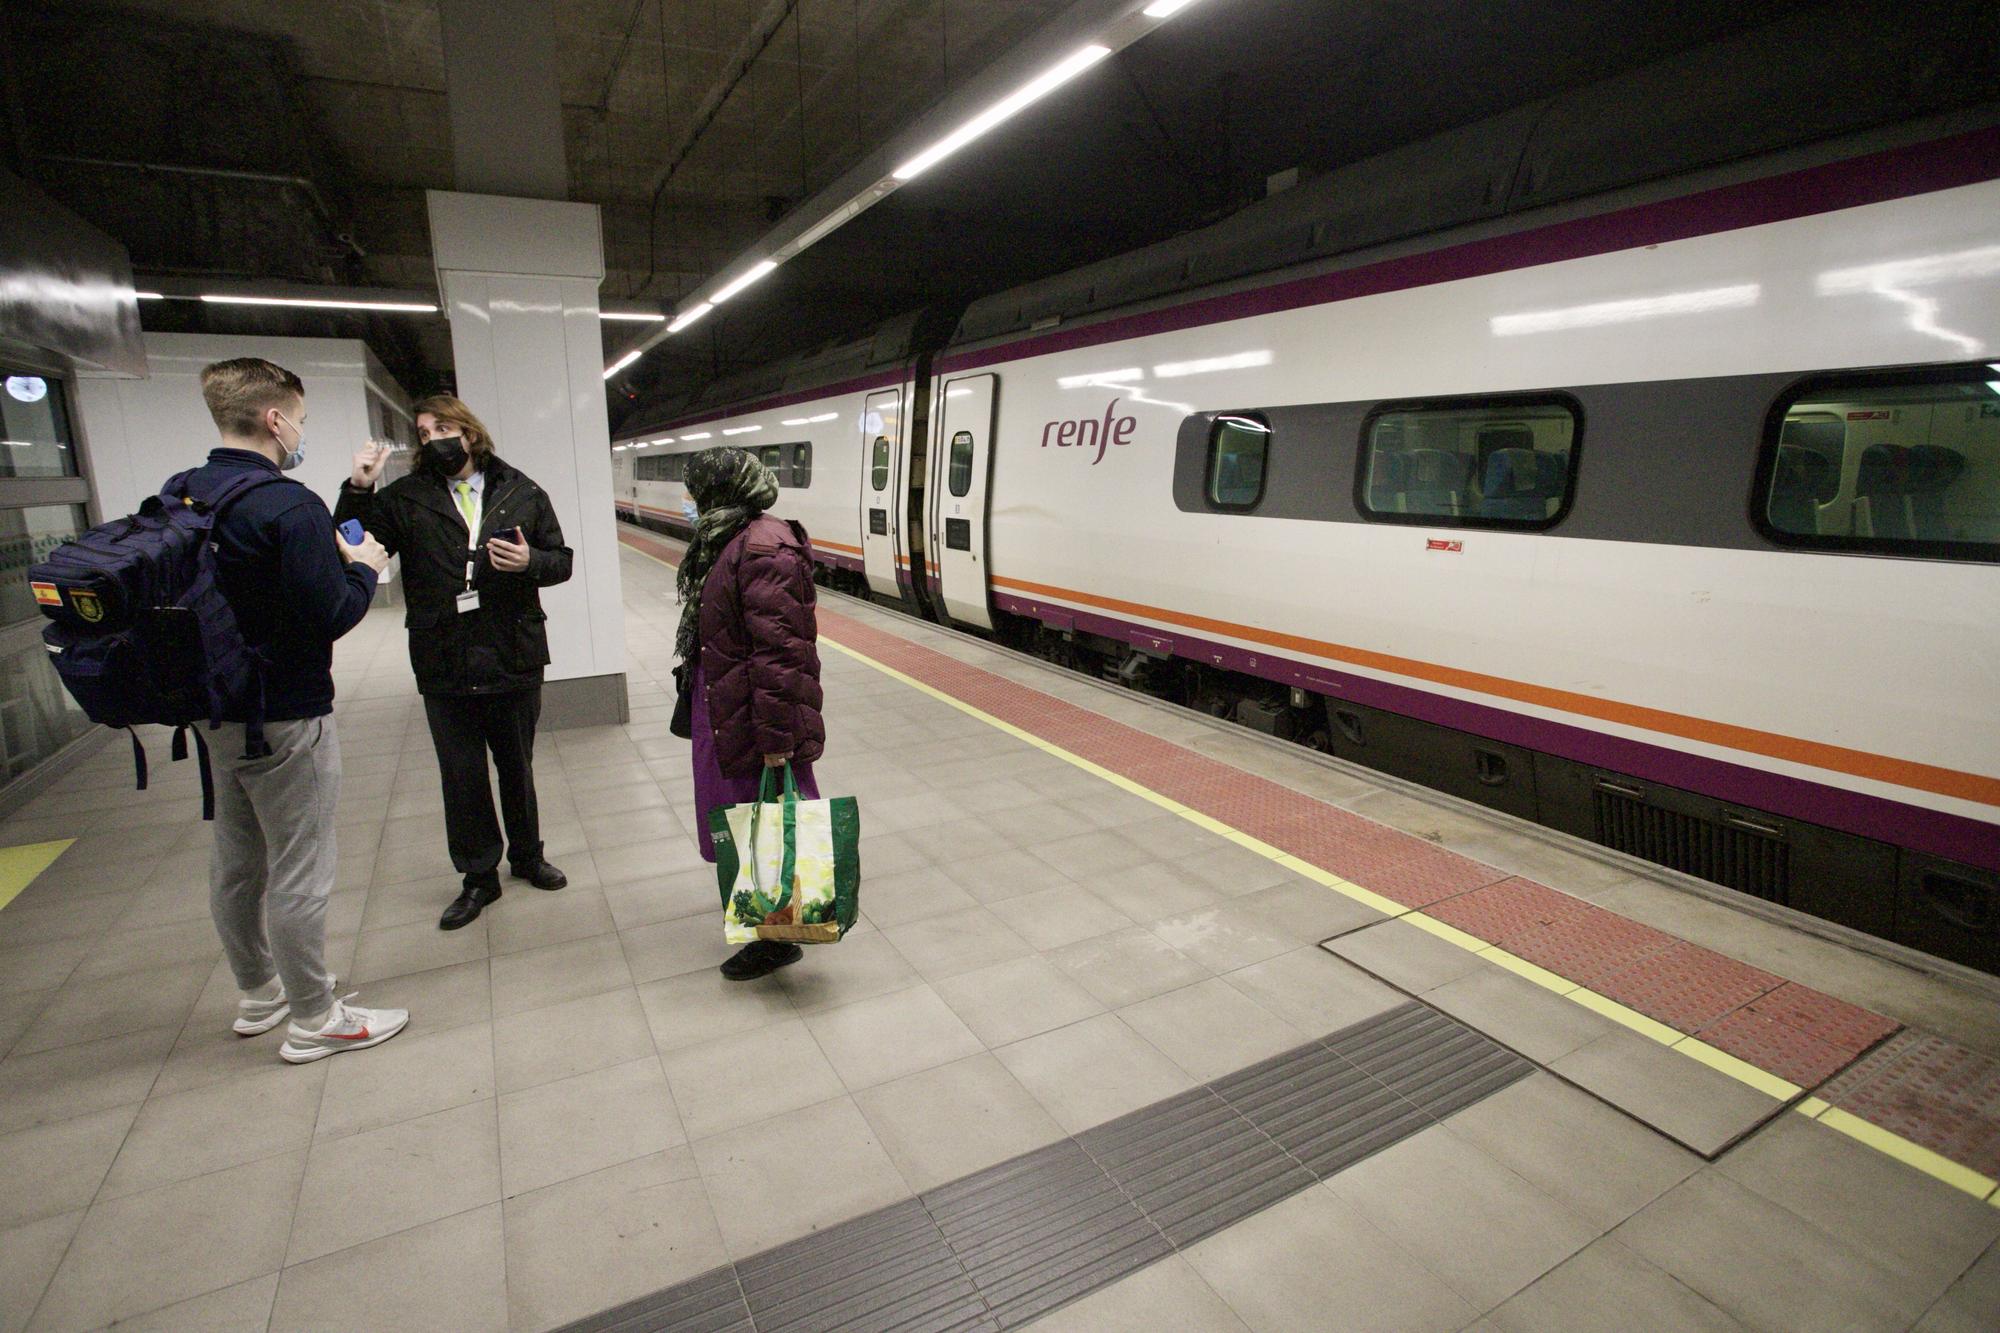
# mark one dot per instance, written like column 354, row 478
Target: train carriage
column 1672, row 522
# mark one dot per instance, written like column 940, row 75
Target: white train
column 1672, row 521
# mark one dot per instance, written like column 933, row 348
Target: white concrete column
column 519, row 279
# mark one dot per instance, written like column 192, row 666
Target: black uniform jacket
column 504, row 644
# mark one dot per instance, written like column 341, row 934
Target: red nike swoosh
column 349, row 1036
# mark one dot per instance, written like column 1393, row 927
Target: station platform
column 1150, row 1024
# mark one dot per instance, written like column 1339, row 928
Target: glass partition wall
column 44, row 501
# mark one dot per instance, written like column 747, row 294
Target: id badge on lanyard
column 469, row 599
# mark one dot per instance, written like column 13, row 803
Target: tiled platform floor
column 579, row 1112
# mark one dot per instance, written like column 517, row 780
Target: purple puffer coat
column 759, row 664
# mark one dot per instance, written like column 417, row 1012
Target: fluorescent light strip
column 620, row 363
column 632, row 316
column 1002, row 111
column 760, row 270
column 690, row 317
column 314, row 303
column 742, row 430
column 1165, row 9
column 149, row 296
column 699, row 435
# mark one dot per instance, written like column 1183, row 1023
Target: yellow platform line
column 1884, row 1141
column 20, row 865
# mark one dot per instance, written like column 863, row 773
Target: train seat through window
column 1804, row 479
column 1437, row 482
column 1520, row 483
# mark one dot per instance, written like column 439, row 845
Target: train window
column 1492, row 463
column 1894, row 462
column 677, row 467
column 878, row 473
column 1237, row 446
column 960, row 477
column 802, row 464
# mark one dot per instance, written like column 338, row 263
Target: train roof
column 1594, row 149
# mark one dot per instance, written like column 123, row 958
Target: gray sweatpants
column 274, row 855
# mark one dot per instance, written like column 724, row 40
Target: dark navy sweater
column 292, row 593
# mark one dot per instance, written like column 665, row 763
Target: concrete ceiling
column 293, row 139
column 349, row 96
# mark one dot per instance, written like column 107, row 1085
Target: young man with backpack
column 294, row 586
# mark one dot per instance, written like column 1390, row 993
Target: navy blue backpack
column 140, row 631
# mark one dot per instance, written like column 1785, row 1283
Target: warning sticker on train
column 1440, row 544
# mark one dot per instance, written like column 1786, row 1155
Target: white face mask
column 689, row 510
column 296, row 456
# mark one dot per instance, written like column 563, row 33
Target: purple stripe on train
column 1952, row 836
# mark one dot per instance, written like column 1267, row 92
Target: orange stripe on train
column 1793, row 749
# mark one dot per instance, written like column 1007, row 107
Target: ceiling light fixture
column 700, row 435
column 632, row 316
column 1003, row 110
column 1166, row 9
column 316, row 303
column 742, row 430
column 149, row 296
column 690, row 317
column 621, row 363
column 757, row 271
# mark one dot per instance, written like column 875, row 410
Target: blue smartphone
column 350, row 532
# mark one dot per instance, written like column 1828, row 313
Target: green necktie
column 464, row 489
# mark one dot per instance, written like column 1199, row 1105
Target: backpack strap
column 254, row 744
column 138, row 759
column 180, row 752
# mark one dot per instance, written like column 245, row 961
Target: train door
column 881, row 483
column 960, row 497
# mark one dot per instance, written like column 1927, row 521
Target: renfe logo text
column 1087, row 434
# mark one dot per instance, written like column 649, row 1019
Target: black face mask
column 444, row 454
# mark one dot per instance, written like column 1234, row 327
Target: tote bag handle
column 788, row 872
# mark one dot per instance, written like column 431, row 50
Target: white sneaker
column 256, row 1017
column 347, row 1028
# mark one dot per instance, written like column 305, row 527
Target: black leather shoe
column 541, row 874
column 465, row 908
column 761, row 959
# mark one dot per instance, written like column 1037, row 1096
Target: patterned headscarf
column 729, row 488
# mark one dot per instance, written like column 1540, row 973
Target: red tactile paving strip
column 1920, row 1086
column 1499, row 912
column 1781, row 1049
column 1587, row 946
column 1687, row 987
column 1820, row 1016
column 1931, row 1092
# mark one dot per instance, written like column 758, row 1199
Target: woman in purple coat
column 747, row 630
